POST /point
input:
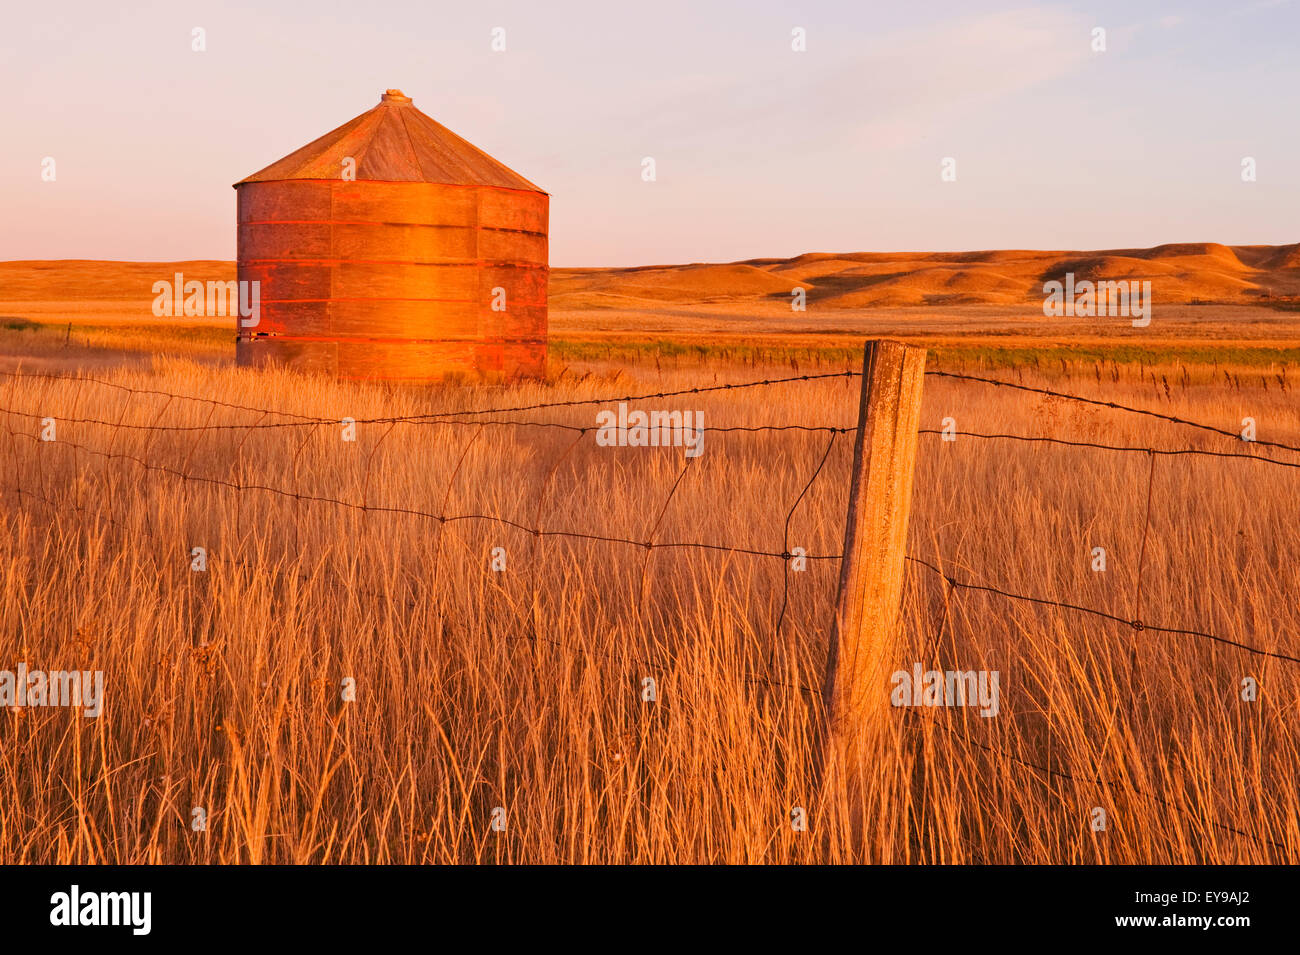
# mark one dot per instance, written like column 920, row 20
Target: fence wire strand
column 481, row 418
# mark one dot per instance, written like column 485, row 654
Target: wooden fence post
column 865, row 630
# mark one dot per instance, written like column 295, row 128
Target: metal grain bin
column 392, row 248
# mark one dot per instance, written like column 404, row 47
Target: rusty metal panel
column 525, row 360
column 405, row 282
column 399, row 242
column 428, row 321
column 278, row 241
column 524, row 284
column 308, row 320
column 315, row 356
column 417, row 204
column 497, row 246
column 524, row 323
column 287, row 202
column 289, row 281
column 521, row 211
column 411, row 361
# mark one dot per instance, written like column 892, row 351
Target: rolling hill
column 1180, row 274
column 1187, row 273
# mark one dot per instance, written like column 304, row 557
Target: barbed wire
column 1100, row 446
column 215, row 561
column 453, row 418
column 785, row 554
column 785, row 538
column 1138, row 626
column 242, row 486
column 410, row 602
column 537, row 532
column 438, row 417
column 474, row 417
column 171, row 395
column 559, row 425
column 1174, row 419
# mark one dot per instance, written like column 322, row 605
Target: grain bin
column 392, row 248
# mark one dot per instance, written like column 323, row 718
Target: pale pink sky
column 760, row 150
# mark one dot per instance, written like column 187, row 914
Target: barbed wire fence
column 272, row 419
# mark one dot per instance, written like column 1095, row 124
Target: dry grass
column 523, row 689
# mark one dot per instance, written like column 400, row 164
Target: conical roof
column 395, row 142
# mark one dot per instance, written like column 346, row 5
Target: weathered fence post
column 865, row 630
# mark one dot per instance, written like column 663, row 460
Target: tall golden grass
column 523, row 689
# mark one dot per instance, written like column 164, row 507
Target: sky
column 760, row 150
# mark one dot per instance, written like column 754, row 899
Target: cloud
column 911, row 80
column 893, row 89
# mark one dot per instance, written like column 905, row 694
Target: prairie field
column 435, row 642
